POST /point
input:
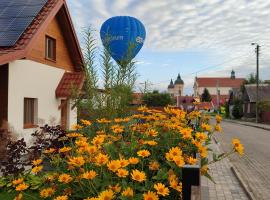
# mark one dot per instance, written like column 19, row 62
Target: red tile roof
column 222, row 99
column 69, row 82
column 221, row 82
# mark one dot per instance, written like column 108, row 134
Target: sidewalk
column 227, row 186
column 256, row 125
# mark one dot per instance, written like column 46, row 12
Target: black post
column 257, row 81
column 191, row 177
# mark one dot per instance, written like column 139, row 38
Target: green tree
column 157, row 99
column 237, row 111
column 206, row 97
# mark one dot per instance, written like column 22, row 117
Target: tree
column 157, row 99
column 237, row 111
column 206, row 97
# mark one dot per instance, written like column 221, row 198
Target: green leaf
column 161, row 175
column 209, row 177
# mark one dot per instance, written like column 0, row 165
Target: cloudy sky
column 190, row 37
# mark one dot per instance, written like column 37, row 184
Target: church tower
column 171, row 88
column 178, row 86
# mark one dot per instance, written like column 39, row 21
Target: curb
column 243, row 184
column 255, row 126
column 238, row 176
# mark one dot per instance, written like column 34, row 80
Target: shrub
column 157, row 99
column 126, row 158
column 237, row 111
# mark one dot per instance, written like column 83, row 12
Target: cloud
column 224, row 28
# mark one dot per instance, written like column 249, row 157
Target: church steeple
column 171, row 84
column 233, row 74
column 179, row 80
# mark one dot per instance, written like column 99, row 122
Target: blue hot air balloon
column 123, row 37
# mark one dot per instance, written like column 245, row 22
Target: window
column 50, row 48
column 30, row 113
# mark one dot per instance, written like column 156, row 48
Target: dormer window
column 50, row 48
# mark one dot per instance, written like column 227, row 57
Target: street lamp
column 257, row 77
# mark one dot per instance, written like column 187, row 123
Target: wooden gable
column 64, row 55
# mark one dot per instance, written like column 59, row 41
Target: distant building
column 218, row 87
column 176, row 89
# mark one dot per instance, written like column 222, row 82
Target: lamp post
column 257, row 49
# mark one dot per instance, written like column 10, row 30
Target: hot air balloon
column 123, row 37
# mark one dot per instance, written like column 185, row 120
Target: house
column 187, row 103
column 218, row 87
column 137, row 99
column 176, row 89
column 249, row 98
column 40, row 64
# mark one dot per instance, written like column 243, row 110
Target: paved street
column 254, row 166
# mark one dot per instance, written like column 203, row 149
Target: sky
column 191, row 37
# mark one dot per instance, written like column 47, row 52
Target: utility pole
column 257, row 49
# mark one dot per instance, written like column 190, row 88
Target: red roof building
column 40, row 65
column 218, row 87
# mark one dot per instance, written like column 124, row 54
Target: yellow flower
column 238, row 147
column 117, row 128
column 206, row 127
column 64, row 149
column 86, row 122
column 142, row 109
column 175, row 152
column 114, row 165
column 65, row 178
column 92, row 198
column 17, row 181
column 74, row 135
column 89, row 175
column 128, row 192
column 102, row 132
column 152, row 133
column 143, row 153
column 91, row 149
column 76, row 161
column 201, row 136
column 136, row 175
column 64, row 197
column 115, row 188
column 101, row 159
column 103, row 121
column 179, row 161
column 50, row 150
column 218, row 118
column 186, row 132
column 21, row 187
column 150, row 196
column 202, row 151
column 151, row 142
column 98, row 140
column 133, row 160
column 204, row 169
column 154, row 165
column 76, row 127
column 36, row 162
column 218, row 128
column 106, row 195
column 122, row 173
column 47, row 192
column 191, row 160
column 37, row 169
column 161, row 189
column 123, row 162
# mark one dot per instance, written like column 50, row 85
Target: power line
column 206, row 68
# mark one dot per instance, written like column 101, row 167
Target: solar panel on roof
column 15, row 17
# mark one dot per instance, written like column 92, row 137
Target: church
column 176, row 89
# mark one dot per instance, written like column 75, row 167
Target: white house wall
column 213, row 90
column 34, row 80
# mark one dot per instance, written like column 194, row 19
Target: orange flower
column 37, row 169
column 21, row 187
column 76, row 161
column 143, row 153
column 65, row 178
column 133, row 160
column 36, row 162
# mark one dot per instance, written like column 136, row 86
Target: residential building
column 176, row 89
column 40, row 65
column 218, row 87
column 250, row 96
